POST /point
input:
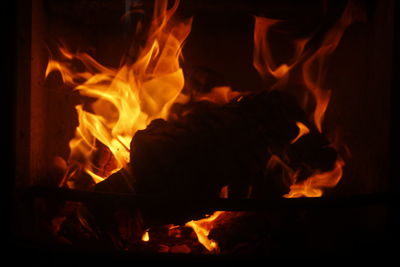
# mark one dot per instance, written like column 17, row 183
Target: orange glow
column 263, row 60
column 312, row 186
column 318, row 63
column 314, row 71
column 146, row 236
column 127, row 98
column 203, row 227
column 312, row 62
column 224, row 192
column 262, row 56
column 218, row 95
column 303, row 130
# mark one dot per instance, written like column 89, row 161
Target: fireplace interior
column 248, row 77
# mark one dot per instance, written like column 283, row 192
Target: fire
column 203, row 227
column 303, row 130
column 146, row 236
column 319, row 60
column 312, row 187
column 218, row 95
column 127, row 99
column 313, row 67
column 263, row 60
column 313, row 63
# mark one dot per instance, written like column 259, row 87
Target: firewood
column 207, row 146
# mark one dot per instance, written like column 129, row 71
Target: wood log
column 208, row 146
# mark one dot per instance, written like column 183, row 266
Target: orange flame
column 127, row 98
column 263, row 60
column 303, row 130
column 203, row 227
column 218, row 95
column 312, row 186
column 313, row 66
column 319, row 58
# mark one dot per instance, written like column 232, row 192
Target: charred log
column 207, row 146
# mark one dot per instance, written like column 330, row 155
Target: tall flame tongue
column 313, row 66
column 127, row 98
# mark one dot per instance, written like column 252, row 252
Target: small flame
column 303, row 130
column 312, row 186
column 202, row 229
column 218, row 95
column 146, row 236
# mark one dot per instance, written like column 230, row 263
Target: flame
column 312, row 62
column 319, row 58
column 203, row 227
column 312, row 186
column 218, row 95
column 224, row 193
column 263, row 60
column 146, row 236
column 127, row 98
column 303, row 130
column 307, row 59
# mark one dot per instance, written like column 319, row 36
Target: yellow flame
column 203, row 227
column 146, row 236
column 127, row 98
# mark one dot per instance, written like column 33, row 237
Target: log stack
column 206, row 146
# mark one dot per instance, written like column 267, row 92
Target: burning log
column 207, row 146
